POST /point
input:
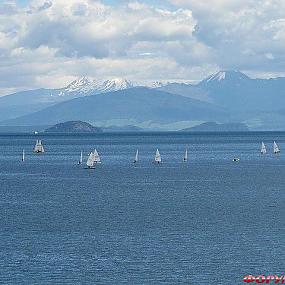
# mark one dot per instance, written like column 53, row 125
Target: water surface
column 209, row 221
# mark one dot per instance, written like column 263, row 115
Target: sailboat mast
column 263, row 148
column 96, row 157
column 39, row 148
column 90, row 161
column 186, row 155
column 136, row 157
column 275, row 148
column 157, row 157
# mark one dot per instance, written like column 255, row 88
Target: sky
column 48, row 43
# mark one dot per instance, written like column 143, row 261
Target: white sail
column 23, row 155
column 136, row 157
column 90, row 161
column 275, row 147
column 96, row 157
column 36, row 146
column 157, row 157
column 39, row 148
column 263, row 148
column 185, row 155
column 81, row 158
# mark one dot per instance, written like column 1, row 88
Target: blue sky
column 48, row 43
column 22, row 2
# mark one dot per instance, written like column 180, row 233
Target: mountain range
column 25, row 102
column 226, row 96
column 214, row 127
column 139, row 106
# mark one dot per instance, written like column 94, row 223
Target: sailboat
column 23, row 155
column 39, row 148
column 90, row 161
column 81, row 158
column 263, row 148
column 157, row 157
column 275, row 148
column 137, row 157
column 185, row 156
column 96, row 157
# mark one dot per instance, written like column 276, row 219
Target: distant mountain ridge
column 85, row 85
column 214, row 127
column 225, row 75
column 186, row 90
column 236, row 91
column 128, row 128
column 256, row 102
column 25, row 102
column 135, row 106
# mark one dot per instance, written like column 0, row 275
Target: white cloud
column 51, row 42
column 53, row 39
column 137, row 6
column 241, row 33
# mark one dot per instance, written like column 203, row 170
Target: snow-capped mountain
column 87, row 86
column 82, row 85
column 140, row 105
column 230, row 76
column 155, row 84
column 217, row 76
column 246, row 99
column 25, row 102
column 115, row 85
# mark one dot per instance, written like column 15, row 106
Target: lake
column 207, row 221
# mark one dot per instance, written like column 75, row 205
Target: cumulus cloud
column 87, row 28
column 130, row 40
column 49, row 42
column 242, row 34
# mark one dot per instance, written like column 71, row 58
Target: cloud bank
column 50, row 42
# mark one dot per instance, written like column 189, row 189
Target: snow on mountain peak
column 81, row 85
column 116, row 84
column 156, row 84
column 221, row 75
column 86, row 85
column 226, row 75
column 79, row 82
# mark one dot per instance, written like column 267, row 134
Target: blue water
column 210, row 221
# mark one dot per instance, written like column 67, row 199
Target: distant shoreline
column 143, row 133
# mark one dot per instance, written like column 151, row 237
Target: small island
column 215, row 127
column 73, row 127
